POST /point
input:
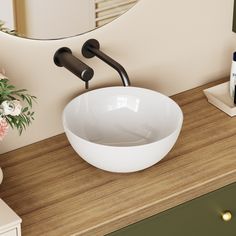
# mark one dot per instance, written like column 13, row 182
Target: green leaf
column 25, row 109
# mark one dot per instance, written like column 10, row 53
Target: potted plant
column 15, row 108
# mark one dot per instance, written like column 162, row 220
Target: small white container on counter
column 219, row 96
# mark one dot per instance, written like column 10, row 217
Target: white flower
column 1, row 112
column 2, row 74
column 12, row 108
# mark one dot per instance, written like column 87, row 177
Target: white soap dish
column 219, row 96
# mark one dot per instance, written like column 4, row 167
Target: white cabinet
column 10, row 233
column 10, row 222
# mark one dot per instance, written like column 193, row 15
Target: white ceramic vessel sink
column 122, row 129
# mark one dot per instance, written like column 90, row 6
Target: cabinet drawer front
column 12, row 232
column 199, row 217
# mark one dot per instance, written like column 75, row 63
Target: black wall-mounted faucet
column 64, row 57
column 91, row 49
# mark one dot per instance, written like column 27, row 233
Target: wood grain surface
column 58, row 194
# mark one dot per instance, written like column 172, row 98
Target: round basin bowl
column 122, row 129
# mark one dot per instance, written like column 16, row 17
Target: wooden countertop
column 57, row 193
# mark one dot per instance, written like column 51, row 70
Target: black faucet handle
column 86, row 85
column 64, row 57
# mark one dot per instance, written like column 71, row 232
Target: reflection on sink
column 122, row 129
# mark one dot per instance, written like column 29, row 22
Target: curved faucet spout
column 91, row 49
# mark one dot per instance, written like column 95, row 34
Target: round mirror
column 54, row 19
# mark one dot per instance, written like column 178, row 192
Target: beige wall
column 165, row 45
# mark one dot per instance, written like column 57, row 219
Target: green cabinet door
column 199, row 217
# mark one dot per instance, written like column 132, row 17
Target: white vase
column 1, row 175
